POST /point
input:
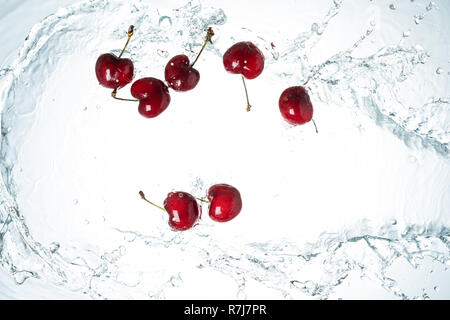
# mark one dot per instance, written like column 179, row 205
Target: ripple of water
column 372, row 85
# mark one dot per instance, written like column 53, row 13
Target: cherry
column 246, row 59
column 153, row 96
column 182, row 209
column 115, row 72
column 295, row 106
column 225, row 202
column 180, row 74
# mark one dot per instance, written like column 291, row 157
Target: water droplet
column 129, row 237
column 180, row 195
column 3, row 72
column 75, row 201
column 430, row 6
column 53, row 247
column 85, row 108
column 392, row 6
column 86, row 221
column 406, row 33
column 394, row 222
column 439, row 70
column 107, row 256
column 163, row 53
column 165, row 22
column 436, row 288
column 412, row 159
column 177, row 239
column 315, row 28
column 21, row 276
column 418, row 47
column 417, row 18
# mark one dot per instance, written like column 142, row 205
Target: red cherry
column 182, row 209
column 226, row 202
column 180, row 75
column 153, row 96
column 244, row 58
column 295, row 105
column 113, row 72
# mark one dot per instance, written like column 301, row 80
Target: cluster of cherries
column 224, row 201
column 244, row 58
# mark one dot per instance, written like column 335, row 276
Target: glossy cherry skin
column 113, row 72
column 295, row 105
column 244, row 58
column 182, row 209
column 153, row 96
column 226, row 202
column 180, row 75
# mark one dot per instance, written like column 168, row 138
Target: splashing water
column 73, row 160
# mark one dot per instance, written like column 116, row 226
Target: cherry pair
column 224, row 201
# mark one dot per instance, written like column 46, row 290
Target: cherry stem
column 145, row 199
column 317, row 131
column 113, row 94
column 130, row 33
column 209, row 35
column 246, row 94
column 203, row 200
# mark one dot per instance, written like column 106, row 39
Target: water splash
column 290, row 268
